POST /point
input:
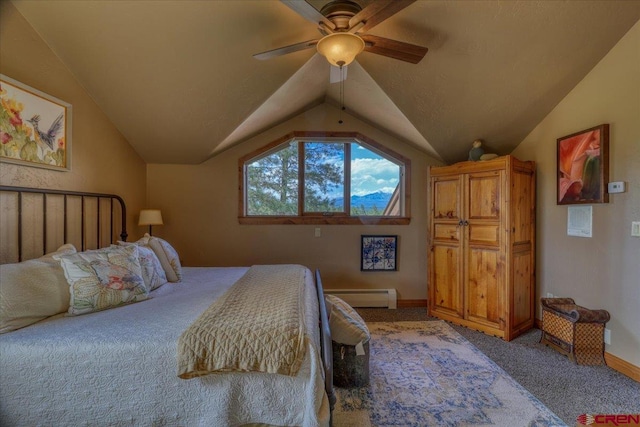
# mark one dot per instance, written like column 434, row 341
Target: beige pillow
column 33, row 290
column 347, row 327
column 65, row 249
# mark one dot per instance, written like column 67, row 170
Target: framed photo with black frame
column 379, row 253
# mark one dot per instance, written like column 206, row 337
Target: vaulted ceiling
column 179, row 81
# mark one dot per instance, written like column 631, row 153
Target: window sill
column 304, row 220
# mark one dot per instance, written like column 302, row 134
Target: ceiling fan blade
column 394, row 49
column 377, row 12
column 308, row 12
column 286, row 49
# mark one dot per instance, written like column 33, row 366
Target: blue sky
column 371, row 173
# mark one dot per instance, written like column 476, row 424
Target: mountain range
column 377, row 199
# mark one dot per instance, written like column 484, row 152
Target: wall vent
column 367, row 297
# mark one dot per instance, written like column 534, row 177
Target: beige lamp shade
column 340, row 48
column 150, row 217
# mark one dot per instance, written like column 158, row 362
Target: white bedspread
column 118, row 368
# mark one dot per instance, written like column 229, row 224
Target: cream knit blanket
column 257, row 325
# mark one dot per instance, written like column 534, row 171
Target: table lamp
column 150, row 217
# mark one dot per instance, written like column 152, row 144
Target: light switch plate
column 635, row 228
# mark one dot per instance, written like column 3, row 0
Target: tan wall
column 200, row 208
column 102, row 160
column 602, row 271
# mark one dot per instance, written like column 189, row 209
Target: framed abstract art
column 583, row 166
column 379, row 253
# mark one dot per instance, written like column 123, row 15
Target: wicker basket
column 574, row 331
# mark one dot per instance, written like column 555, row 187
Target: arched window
column 324, row 178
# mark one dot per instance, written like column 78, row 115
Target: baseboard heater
column 367, row 297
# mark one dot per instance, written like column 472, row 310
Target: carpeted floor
column 567, row 389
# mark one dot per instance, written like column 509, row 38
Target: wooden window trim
column 337, row 219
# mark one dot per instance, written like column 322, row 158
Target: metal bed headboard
column 65, row 194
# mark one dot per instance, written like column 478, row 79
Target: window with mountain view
column 324, row 180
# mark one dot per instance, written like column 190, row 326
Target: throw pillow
column 347, row 327
column 33, row 290
column 168, row 258
column 104, row 278
column 152, row 271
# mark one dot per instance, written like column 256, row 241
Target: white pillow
column 347, row 327
column 104, row 278
column 33, row 290
column 168, row 258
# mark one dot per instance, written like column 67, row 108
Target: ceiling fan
column 344, row 24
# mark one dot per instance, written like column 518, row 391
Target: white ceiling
column 178, row 79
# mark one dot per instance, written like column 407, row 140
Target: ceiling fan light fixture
column 340, row 49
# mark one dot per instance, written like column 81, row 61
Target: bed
column 118, row 366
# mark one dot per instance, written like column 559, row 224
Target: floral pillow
column 104, row 278
column 143, row 241
column 169, row 261
column 152, row 271
column 168, row 258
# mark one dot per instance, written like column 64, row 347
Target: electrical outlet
column 549, row 295
column 318, row 232
column 607, row 336
column 635, row 228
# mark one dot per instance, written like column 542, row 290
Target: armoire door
column 484, row 255
column 446, row 274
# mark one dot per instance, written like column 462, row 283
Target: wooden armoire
column 482, row 245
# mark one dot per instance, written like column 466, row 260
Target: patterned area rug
column 426, row 374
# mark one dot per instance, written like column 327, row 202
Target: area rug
column 426, row 374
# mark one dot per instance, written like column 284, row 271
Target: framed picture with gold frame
column 35, row 128
column 583, row 166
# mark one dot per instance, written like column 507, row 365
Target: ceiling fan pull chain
column 341, row 93
column 342, row 87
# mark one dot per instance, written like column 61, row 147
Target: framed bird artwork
column 35, row 128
